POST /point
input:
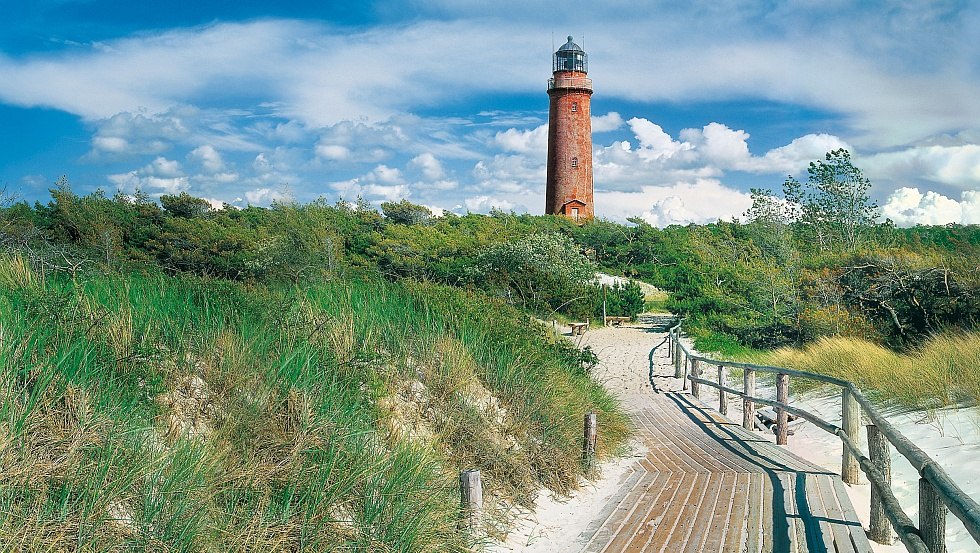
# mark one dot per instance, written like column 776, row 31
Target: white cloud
column 428, row 165
column 953, row 165
column 265, row 196
column 609, row 122
column 208, row 157
column 696, row 201
column 482, row 204
column 908, row 206
column 163, row 167
column 333, row 151
column 654, row 142
column 155, row 186
column 797, row 154
column 534, row 141
column 719, row 145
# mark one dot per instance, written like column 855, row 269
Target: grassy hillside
column 943, row 372
column 155, row 412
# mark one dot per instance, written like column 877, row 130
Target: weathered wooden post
column 471, row 494
column 687, row 364
column 722, row 394
column 932, row 517
column 782, row 417
column 850, row 471
column 588, row 442
column 880, row 529
column 677, row 358
column 748, row 408
column 696, row 373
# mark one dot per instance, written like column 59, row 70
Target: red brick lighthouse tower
column 570, row 135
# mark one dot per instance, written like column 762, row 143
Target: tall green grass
column 154, row 412
column 943, row 372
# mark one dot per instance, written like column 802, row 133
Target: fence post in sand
column 782, row 417
column 748, row 408
column 850, row 471
column 722, row 395
column 588, row 442
column 677, row 358
column 932, row 517
column 880, row 529
column 471, row 494
column 696, row 373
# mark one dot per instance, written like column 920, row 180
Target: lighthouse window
column 574, row 162
column 574, row 106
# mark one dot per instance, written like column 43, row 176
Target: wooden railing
column 937, row 491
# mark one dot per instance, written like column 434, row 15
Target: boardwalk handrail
column 935, row 485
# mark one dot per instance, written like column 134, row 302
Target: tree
column 406, row 213
column 835, row 208
column 184, row 205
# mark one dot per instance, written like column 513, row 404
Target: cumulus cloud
column 208, row 158
column 482, row 204
column 534, row 141
column 265, row 196
column 155, row 186
column 428, row 165
column 908, row 206
column 609, row 122
column 696, row 201
column 954, row 165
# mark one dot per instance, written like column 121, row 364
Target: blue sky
column 443, row 102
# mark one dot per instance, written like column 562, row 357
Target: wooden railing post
column 850, row 421
column 696, row 373
column 677, row 358
column 782, row 418
column 722, row 395
column 932, row 517
column 748, row 408
column 880, row 529
column 471, row 494
column 588, row 442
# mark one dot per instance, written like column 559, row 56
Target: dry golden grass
column 943, row 372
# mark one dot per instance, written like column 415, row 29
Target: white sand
column 950, row 437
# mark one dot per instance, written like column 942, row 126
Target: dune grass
column 943, row 372
column 154, row 412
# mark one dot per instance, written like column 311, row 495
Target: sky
column 444, row 102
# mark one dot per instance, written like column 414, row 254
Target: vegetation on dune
column 182, row 413
column 174, row 376
column 943, row 372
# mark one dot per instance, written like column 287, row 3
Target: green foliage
column 540, row 271
column 406, row 213
column 184, row 205
column 144, row 411
column 835, row 207
column 624, row 299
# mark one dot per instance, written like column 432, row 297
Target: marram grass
column 943, row 372
column 182, row 414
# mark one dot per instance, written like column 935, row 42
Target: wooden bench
column 617, row 321
column 578, row 328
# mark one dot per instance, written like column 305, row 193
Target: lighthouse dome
column 571, row 57
column 570, row 46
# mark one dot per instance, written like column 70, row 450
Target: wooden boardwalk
column 707, row 484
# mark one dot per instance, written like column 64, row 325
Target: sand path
column 624, row 369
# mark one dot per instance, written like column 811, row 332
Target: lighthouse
column 569, row 186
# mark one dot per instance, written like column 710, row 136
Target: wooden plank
column 721, row 519
column 818, row 516
column 648, row 508
column 859, row 539
column 680, row 538
column 636, row 504
column 738, row 520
